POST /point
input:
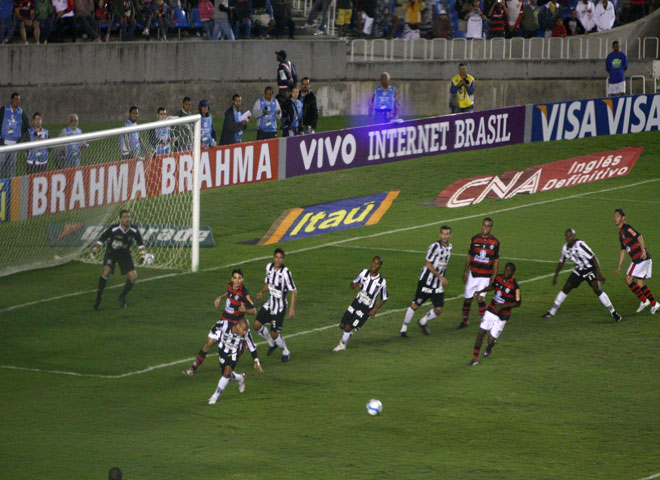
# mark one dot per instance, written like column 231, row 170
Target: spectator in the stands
column 44, row 14
column 414, row 16
column 559, row 30
column 284, row 24
column 310, row 113
column 497, row 15
column 585, row 14
column 125, row 13
column 464, row 9
column 604, row 15
column 221, row 26
column 616, row 64
column 84, row 10
column 382, row 20
column 475, row 21
column 242, row 23
column 573, row 25
column 206, row 9
column 514, row 9
column 319, row 6
column 64, row 19
column 530, row 19
column 25, row 15
column 6, row 21
column 442, row 26
column 104, row 17
column 550, row 12
column 262, row 18
column 144, row 15
column 161, row 15
column 636, row 9
column 461, row 91
column 344, row 14
column 367, row 16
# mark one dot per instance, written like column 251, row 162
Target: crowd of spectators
column 44, row 21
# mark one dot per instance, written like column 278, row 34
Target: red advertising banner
column 117, row 182
column 540, row 178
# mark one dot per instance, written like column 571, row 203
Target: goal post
column 69, row 188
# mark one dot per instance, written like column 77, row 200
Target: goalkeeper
column 119, row 238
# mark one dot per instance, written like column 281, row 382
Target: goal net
column 68, row 189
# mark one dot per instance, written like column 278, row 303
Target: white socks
column 279, row 341
column 346, row 337
column 561, row 296
column 265, row 334
column 605, row 300
column 407, row 319
column 236, row 377
column 430, row 315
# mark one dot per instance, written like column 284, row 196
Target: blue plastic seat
column 180, row 20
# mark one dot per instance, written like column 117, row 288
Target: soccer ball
column 374, row 407
column 149, row 259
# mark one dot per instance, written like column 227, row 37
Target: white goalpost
column 68, row 189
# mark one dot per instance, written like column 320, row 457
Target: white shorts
column 474, row 284
column 640, row 270
column 368, row 23
column 616, row 88
column 492, row 324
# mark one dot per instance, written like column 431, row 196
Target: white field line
column 453, row 254
column 339, row 242
column 657, row 475
column 187, row 360
column 623, row 200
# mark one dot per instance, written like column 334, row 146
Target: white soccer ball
column 149, row 259
column 374, row 407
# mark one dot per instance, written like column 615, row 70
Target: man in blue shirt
column 267, row 111
column 129, row 143
column 235, row 124
column 384, row 103
column 71, row 155
column 15, row 125
column 209, row 137
column 37, row 159
column 616, row 64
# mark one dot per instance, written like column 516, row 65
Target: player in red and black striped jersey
column 482, row 262
column 507, row 296
column 641, row 266
column 238, row 303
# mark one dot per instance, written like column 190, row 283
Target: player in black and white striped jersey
column 431, row 282
column 586, row 268
column 371, row 285
column 231, row 336
column 278, row 282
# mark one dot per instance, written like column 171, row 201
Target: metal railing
column 518, row 48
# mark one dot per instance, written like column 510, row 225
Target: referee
column 119, row 238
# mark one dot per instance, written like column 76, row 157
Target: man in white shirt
column 585, row 14
column 604, row 15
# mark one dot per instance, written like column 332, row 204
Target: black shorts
column 356, row 315
column 423, row 293
column 228, row 360
column 276, row 321
column 577, row 278
column 125, row 261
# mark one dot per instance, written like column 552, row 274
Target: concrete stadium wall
column 100, row 81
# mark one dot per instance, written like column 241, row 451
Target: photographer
column 461, row 98
column 267, row 110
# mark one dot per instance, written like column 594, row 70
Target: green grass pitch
column 574, row 397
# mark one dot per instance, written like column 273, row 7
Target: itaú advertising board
column 540, row 178
column 376, row 144
column 600, row 116
column 121, row 181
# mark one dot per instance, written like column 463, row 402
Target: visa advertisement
column 305, row 222
column 376, row 144
column 599, row 116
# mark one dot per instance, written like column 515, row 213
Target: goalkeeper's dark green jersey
column 119, row 240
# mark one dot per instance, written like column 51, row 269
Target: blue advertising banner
column 5, row 199
column 329, row 217
column 594, row 117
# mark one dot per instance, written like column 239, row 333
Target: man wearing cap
column 267, row 111
column 287, row 77
column 442, row 26
column 384, row 104
column 209, row 137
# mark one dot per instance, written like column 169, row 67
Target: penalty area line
column 187, row 360
column 346, row 240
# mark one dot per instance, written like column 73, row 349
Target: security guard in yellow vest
column 461, row 97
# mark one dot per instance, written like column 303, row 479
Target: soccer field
column 572, row 397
